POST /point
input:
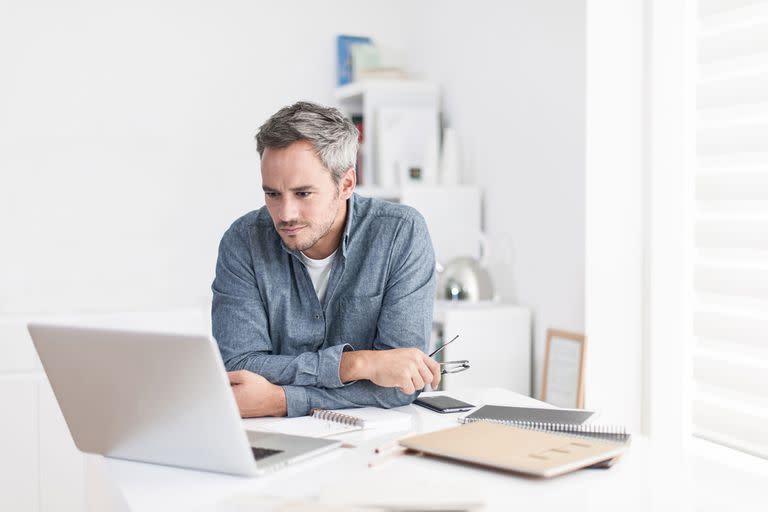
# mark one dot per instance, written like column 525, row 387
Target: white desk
column 641, row 480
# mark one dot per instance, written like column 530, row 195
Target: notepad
column 532, row 452
column 325, row 423
column 571, row 421
column 538, row 414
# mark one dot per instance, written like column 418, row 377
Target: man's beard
column 315, row 233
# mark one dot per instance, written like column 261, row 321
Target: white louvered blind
column 730, row 317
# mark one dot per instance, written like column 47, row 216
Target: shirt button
column 317, row 317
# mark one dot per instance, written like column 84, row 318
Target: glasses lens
column 456, row 368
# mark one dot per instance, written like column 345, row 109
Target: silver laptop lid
column 150, row 397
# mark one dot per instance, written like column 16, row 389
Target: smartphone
column 443, row 404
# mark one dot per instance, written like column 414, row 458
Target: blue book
column 344, row 56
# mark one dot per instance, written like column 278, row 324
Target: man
column 322, row 298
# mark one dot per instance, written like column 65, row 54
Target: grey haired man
column 322, row 298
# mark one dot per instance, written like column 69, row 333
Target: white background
column 126, row 149
column 126, row 137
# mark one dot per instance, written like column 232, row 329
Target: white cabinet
column 18, row 443
column 62, row 477
column 19, row 449
column 494, row 337
column 40, row 468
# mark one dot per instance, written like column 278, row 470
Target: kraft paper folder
column 543, row 454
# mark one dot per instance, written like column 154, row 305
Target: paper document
column 323, row 423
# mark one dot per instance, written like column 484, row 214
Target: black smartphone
column 443, row 404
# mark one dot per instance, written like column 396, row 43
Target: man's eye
column 304, row 194
column 271, row 194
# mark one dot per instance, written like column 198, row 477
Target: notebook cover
column 531, row 452
column 534, row 414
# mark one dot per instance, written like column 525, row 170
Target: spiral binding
column 337, row 417
column 589, row 430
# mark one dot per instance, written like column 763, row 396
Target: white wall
column 513, row 78
column 615, row 193
column 126, row 137
column 126, row 149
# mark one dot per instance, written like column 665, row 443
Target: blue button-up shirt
column 267, row 317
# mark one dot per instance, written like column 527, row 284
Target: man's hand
column 406, row 368
column 256, row 396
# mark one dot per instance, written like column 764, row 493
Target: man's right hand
column 406, row 368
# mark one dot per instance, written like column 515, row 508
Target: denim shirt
column 266, row 316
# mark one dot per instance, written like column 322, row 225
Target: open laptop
column 159, row 398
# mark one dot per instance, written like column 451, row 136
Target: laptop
column 159, row 398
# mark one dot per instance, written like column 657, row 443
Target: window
column 730, row 226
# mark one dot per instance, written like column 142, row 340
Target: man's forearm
column 275, row 404
column 256, row 396
column 406, row 368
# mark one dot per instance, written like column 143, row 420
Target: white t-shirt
column 319, row 272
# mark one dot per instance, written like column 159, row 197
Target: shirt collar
column 348, row 226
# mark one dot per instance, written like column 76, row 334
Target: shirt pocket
column 359, row 319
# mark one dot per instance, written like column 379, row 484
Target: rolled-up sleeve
column 302, row 399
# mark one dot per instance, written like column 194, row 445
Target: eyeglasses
column 453, row 366
column 450, row 366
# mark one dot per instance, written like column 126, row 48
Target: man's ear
column 347, row 183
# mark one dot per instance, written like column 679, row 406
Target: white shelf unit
column 495, row 338
column 453, row 212
column 390, row 194
column 366, row 97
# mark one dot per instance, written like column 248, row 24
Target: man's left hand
column 256, row 396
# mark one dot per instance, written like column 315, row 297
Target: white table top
column 643, row 479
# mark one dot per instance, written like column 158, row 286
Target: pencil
column 387, row 456
column 386, row 447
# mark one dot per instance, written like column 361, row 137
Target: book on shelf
column 344, row 44
column 381, row 73
column 371, row 61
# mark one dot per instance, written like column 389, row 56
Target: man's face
column 306, row 206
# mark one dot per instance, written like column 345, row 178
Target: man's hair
column 332, row 135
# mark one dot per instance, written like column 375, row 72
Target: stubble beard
column 315, row 233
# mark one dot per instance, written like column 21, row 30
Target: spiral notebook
column 324, row 423
column 565, row 421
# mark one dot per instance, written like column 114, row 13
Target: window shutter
column 730, row 275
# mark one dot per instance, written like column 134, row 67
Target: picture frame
column 563, row 375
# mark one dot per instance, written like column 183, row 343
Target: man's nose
column 288, row 210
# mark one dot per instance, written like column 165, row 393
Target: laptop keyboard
column 260, row 453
